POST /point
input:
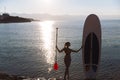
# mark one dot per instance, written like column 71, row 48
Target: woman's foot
column 64, row 78
column 67, row 77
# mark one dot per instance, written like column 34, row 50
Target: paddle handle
column 56, row 43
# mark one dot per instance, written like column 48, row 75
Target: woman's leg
column 67, row 64
column 65, row 74
column 68, row 73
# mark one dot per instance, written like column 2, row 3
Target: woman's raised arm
column 77, row 50
column 59, row 49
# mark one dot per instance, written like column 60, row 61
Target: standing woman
column 67, row 58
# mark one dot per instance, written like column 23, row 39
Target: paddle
column 56, row 64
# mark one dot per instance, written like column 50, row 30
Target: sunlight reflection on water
column 47, row 29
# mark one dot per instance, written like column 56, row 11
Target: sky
column 61, row 7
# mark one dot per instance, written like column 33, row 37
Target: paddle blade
column 55, row 66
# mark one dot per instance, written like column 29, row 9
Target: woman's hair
column 67, row 44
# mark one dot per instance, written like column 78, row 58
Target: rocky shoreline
column 6, row 18
column 5, row 76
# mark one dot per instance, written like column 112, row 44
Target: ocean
column 28, row 49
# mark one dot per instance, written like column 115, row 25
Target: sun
column 47, row 1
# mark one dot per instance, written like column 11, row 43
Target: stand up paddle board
column 91, row 46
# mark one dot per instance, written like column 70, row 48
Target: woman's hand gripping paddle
column 56, row 64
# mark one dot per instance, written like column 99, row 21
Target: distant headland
column 6, row 18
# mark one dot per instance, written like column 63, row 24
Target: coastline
column 6, row 18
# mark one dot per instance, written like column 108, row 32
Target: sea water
column 28, row 49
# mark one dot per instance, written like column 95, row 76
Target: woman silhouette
column 67, row 58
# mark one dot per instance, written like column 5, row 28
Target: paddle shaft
column 56, row 43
